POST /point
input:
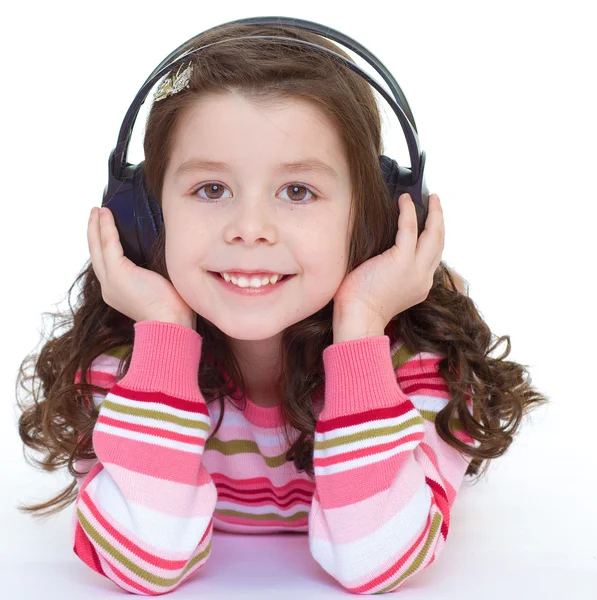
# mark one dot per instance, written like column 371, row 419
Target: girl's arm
column 385, row 480
column 143, row 516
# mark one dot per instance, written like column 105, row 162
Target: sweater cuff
column 360, row 376
column 165, row 359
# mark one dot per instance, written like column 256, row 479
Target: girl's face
column 255, row 217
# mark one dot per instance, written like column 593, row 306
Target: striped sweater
column 377, row 512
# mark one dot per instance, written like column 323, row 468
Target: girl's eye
column 295, row 190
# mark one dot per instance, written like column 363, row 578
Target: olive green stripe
column 265, row 517
column 243, row 447
column 437, row 519
column 455, row 424
column 155, row 414
column 401, row 356
column 367, row 434
column 118, row 351
column 134, row 567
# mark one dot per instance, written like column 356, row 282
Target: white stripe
column 98, row 399
column 425, row 402
column 105, row 363
column 433, row 403
column 354, row 560
column 368, row 443
column 365, row 460
column 160, row 530
column 150, row 439
column 236, row 419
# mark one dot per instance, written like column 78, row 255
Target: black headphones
column 137, row 214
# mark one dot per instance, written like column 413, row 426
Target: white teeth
column 254, row 282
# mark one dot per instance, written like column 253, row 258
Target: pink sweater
column 377, row 513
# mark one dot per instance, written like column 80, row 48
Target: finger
column 430, row 245
column 406, row 237
column 95, row 245
column 111, row 247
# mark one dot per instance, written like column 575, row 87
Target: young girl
column 368, row 355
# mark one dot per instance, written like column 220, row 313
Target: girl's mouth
column 266, row 289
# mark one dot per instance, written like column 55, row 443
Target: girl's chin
column 248, row 334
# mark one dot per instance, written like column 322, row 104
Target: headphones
column 137, row 214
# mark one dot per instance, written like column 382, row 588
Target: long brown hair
column 58, row 422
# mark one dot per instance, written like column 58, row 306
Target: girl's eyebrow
column 308, row 165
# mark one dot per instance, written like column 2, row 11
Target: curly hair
column 59, row 421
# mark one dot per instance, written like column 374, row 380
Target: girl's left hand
column 400, row 277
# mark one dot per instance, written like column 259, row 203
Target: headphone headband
column 400, row 106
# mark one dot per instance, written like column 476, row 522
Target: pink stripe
column 99, row 378
column 338, row 508
column 85, row 550
column 368, row 451
column 168, row 497
column 193, row 406
column 257, row 483
column 262, row 500
column 158, row 461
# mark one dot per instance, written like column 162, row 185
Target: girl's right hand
column 138, row 293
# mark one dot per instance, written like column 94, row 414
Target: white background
column 503, row 94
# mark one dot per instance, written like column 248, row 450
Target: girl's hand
column 397, row 279
column 138, row 293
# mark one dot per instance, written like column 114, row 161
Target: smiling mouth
column 248, row 276
column 249, row 287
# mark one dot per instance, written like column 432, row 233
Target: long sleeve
column 143, row 514
column 385, row 481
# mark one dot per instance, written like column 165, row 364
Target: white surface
column 523, row 531
column 503, row 95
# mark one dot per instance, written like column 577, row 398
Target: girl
column 367, row 355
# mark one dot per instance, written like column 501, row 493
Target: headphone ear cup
column 149, row 219
column 398, row 179
column 137, row 214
